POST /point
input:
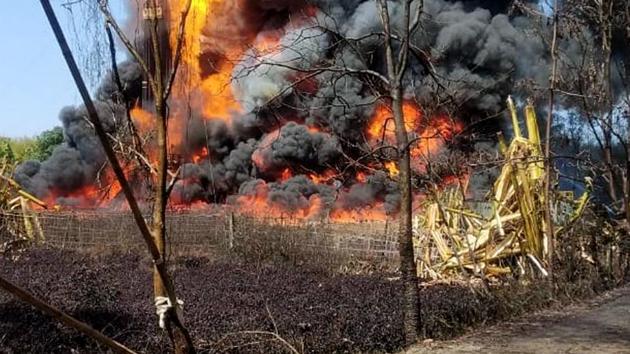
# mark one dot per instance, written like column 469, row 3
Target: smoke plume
column 279, row 106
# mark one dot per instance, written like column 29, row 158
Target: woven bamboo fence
column 199, row 233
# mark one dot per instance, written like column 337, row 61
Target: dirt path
column 601, row 326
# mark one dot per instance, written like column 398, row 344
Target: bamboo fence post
column 231, row 231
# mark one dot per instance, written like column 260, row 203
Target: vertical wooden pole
column 231, row 231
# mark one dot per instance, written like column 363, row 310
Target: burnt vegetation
column 238, row 307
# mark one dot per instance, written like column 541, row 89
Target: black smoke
column 75, row 163
column 295, row 145
column 299, row 112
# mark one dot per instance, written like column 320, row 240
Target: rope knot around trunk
column 163, row 305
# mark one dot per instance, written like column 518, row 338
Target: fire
column 383, row 120
column 143, row 120
column 427, row 134
column 392, row 168
column 197, row 206
column 309, row 208
column 431, row 140
column 259, row 156
column 114, row 188
column 102, row 193
column 286, row 174
column 375, row 213
column 219, row 101
column 314, row 129
column 201, row 155
column 361, row 177
column 215, row 99
column 315, row 206
column 460, row 181
column 195, row 22
column 322, row 178
column 213, row 44
column 259, row 204
column 268, row 42
column 82, row 197
column 210, row 25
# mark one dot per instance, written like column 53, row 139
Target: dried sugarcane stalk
column 515, row 229
column 20, row 224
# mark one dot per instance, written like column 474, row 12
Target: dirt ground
column 599, row 326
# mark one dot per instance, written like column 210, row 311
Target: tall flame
column 427, row 134
column 382, row 122
column 215, row 98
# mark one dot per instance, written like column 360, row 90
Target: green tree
column 46, row 142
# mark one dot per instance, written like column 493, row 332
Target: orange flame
column 219, row 100
column 392, row 168
column 215, row 99
column 258, row 157
column 428, row 134
column 259, row 205
column 210, row 24
column 383, row 120
column 82, row 197
column 373, row 213
column 361, row 177
column 200, row 155
column 442, row 128
column 143, row 120
column 286, row 174
column 204, row 81
column 323, row 178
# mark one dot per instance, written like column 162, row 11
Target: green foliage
column 22, row 148
column 46, row 142
column 6, row 152
column 16, row 150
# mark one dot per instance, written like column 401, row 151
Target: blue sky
column 34, row 80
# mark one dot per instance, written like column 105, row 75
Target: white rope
column 162, row 305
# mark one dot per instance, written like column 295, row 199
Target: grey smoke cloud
column 259, row 79
column 75, row 163
column 478, row 51
column 296, row 145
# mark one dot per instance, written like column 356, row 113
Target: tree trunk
column 548, row 160
column 395, row 71
column 154, row 237
column 405, row 234
column 182, row 342
column 608, row 159
column 179, row 335
column 606, row 15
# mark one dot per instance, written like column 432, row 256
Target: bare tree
column 160, row 83
column 396, row 68
column 550, row 111
column 599, row 75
